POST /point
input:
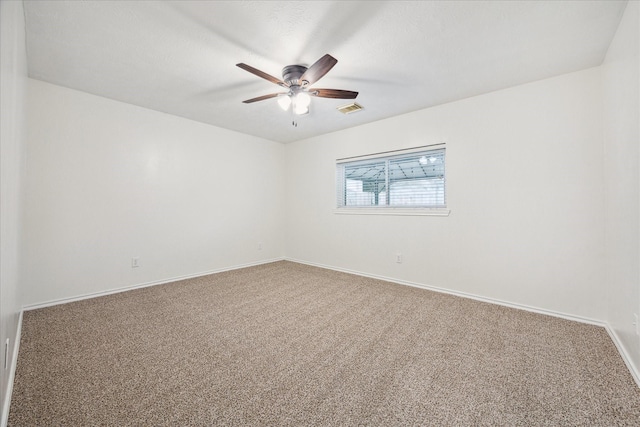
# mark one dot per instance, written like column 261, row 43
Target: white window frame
column 441, row 210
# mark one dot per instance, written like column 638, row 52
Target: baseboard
column 459, row 294
column 143, row 285
column 635, row 372
column 6, row 405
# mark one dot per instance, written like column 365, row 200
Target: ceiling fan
column 297, row 79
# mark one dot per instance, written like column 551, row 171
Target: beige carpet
column 285, row 344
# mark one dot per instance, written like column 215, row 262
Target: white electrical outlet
column 260, row 246
column 135, row 262
column 399, row 258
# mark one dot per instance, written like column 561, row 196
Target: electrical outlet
column 135, row 262
column 260, row 246
column 399, row 258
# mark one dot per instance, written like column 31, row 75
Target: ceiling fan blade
column 262, row 74
column 333, row 93
column 263, row 97
column 318, row 69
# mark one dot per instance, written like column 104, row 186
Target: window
column 412, row 179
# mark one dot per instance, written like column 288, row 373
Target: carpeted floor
column 286, row 344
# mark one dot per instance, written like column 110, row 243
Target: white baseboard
column 143, row 285
column 459, row 294
column 6, row 405
column 635, row 372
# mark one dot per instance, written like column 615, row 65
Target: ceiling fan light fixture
column 303, row 100
column 284, row 101
column 301, row 109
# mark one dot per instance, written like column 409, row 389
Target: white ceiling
column 179, row 57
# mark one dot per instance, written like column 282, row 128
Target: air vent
column 350, row 108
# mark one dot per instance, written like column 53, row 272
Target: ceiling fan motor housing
column 291, row 74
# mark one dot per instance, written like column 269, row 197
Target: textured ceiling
column 179, row 57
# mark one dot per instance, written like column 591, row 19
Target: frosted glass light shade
column 284, row 102
column 301, row 103
column 303, row 100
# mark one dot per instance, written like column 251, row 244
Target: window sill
column 393, row 211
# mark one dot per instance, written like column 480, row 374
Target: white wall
column 108, row 181
column 13, row 74
column 525, row 189
column 621, row 88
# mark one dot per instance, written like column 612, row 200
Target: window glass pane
column 423, row 192
column 417, row 180
column 364, row 183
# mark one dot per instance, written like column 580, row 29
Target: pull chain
column 294, row 122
